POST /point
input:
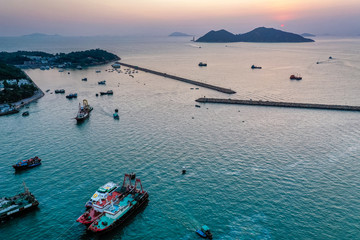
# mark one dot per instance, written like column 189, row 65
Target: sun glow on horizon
column 208, row 14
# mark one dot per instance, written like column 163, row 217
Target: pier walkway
column 279, row 104
column 205, row 85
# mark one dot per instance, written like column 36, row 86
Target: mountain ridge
column 260, row 34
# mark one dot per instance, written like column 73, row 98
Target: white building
column 11, row 82
column 23, row 82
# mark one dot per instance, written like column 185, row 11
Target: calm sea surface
column 252, row 172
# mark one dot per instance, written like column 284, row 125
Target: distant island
column 308, row 35
column 179, row 34
column 40, row 35
column 37, row 59
column 261, row 34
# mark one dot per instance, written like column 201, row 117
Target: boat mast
column 26, row 189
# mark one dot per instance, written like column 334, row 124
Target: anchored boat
column 102, row 193
column 202, row 64
column 59, row 91
column 204, row 232
column 71, row 95
column 117, row 207
column 28, row 163
column 116, row 114
column 255, row 67
column 109, row 92
column 18, row 204
column 295, row 77
column 84, row 111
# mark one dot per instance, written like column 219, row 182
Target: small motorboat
column 202, row 64
column 84, row 79
column 204, row 232
column 28, row 163
column 59, row 91
column 26, row 113
column 116, row 115
column 255, row 67
column 197, row 106
column 98, row 71
column 109, row 92
column 48, row 90
column 71, row 95
column 295, row 77
column 102, row 82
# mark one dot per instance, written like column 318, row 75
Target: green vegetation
column 14, row 93
column 85, row 58
column 11, row 72
column 74, row 59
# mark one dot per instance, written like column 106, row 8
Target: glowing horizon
column 92, row 17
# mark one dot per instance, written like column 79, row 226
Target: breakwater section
column 205, row 85
column 279, row 104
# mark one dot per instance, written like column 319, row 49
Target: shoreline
column 17, row 105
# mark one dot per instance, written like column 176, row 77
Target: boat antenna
column 26, row 189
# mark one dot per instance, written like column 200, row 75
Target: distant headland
column 37, row 59
column 40, row 35
column 16, row 87
column 308, row 35
column 261, row 34
column 179, row 34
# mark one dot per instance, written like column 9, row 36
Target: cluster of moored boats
column 108, row 207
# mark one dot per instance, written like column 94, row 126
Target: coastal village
column 17, row 89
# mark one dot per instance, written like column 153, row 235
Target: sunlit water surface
column 252, row 172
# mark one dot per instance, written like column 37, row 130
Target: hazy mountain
column 179, row 34
column 40, row 35
column 260, row 34
column 218, row 36
column 308, row 35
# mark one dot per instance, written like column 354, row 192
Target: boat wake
column 194, row 45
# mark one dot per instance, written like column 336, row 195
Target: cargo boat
column 17, row 205
column 84, row 111
column 96, row 209
column 28, row 163
column 122, row 208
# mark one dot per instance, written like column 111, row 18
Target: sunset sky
column 161, row 17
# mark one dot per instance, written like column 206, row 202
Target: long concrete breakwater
column 279, row 104
column 205, row 85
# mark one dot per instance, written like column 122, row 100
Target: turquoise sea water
column 252, row 172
